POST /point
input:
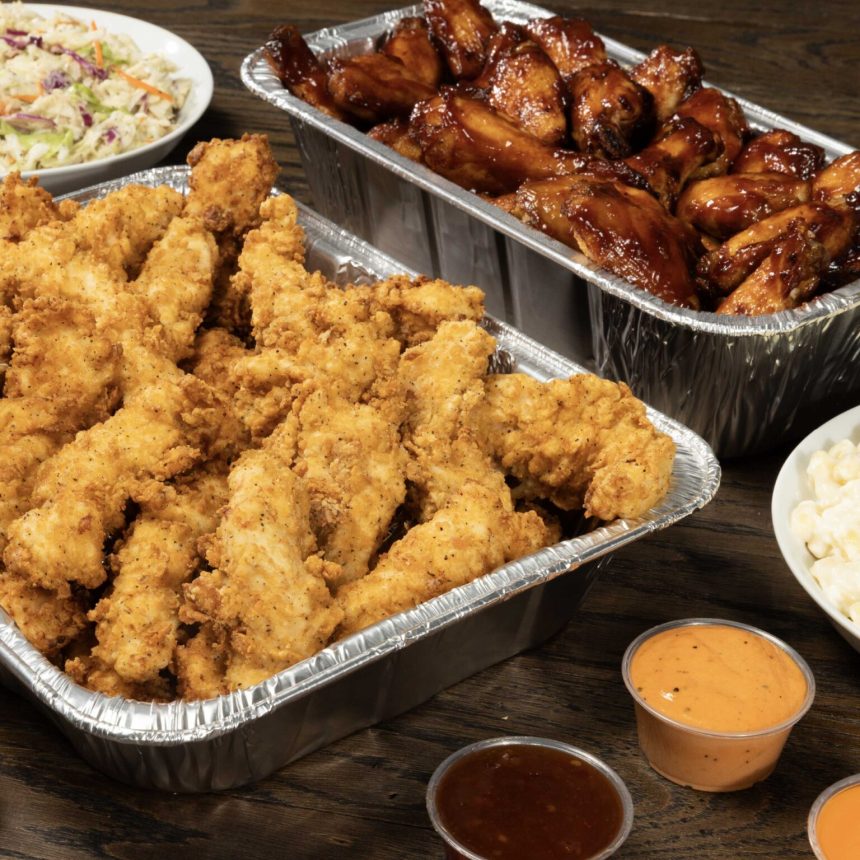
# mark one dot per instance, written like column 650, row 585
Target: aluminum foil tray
column 372, row 675
column 744, row 384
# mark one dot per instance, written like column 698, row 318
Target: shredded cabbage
column 71, row 93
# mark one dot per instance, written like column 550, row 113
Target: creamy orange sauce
column 838, row 825
column 718, row 678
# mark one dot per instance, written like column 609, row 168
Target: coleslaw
column 71, row 92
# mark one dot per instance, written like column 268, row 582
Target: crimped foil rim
column 261, row 80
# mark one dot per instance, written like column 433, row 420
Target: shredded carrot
column 97, row 45
column 143, row 85
column 29, row 99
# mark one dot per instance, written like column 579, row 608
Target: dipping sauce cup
column 834, row 821
column 511, row 798
column 715, row 700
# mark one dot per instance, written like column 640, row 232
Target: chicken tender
column 25, row 206
column 266, row 599
column 582, row 442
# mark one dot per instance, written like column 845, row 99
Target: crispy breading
column 266, row 598
column 352, row 462
column 582, row 442
column 137, row 621
column 24, row 206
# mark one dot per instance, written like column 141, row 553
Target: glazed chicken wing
column 670, row 76
column 299, row 70
column 375, row 87
column 410, row 43
column 724, row 205
column 788, row 276
column 467, row 142
column 524, row 86
column 838, row 185
column 681, row 148
column 779, row 151
column 723, row 116
column 569, row 42
column 463, row 29
column 395, row 133
column 610, row 113
column 723, row 270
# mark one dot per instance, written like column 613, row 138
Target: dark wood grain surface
column 364, row 796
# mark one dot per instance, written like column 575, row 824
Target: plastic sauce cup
column 711, row 760
column 834, row 828
column 483, row 757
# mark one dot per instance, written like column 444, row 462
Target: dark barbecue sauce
column 523, row 801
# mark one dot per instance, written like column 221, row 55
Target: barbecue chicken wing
column 610, row 113
column 680, row 150
column 724, row 205
column 724, row 117
column 375, row 87
column 723, row 270
column 395, row 133
column 780, row 151
column 788, row 276
column 410, row 43
column 670, row 76
column 838, row 184
column 463, row 29
column 570, row 43
column 299, row 70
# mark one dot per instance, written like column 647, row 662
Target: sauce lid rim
column 814, row 811
column 614, row 779
column 634, row 646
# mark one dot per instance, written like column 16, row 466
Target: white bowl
column 149, row 39
column 792, row 487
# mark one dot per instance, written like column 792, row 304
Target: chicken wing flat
column 628, row 232
column 580, row 442
column 395, row 133
column 788, row 276
column 353, row 465
column 374, row 87
column 137, row 621
column 410, row 43
column 609, row 113
column 475, row 532
column 266, row 601
column 570, row 43
column 524, row 86
column 838, row 184
column 734, row 261
column 467, row 142
column 670, row 76
column 299, row 70
column 723, row 116
column 81, row 492
column 463, row 29
column 724, row 205
column 780, row 151
column 680, row 150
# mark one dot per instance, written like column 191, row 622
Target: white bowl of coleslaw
column 814, row 505
column 84, row 104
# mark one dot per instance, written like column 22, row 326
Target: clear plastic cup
column 711, row 760
column 454, row 850
column 815, row 811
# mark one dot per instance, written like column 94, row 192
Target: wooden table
column 364, row 796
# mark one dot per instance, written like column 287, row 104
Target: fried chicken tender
column 582, row 442
column 48, row 621
column 474, row 533
column 81, row 492
column 91, row 673
column 25, row 206
column 352, row 462
column 5, row 341
column 266, row 599
column 137, row 621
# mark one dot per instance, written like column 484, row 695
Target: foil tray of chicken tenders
column 745, row 375
column 261, row 486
